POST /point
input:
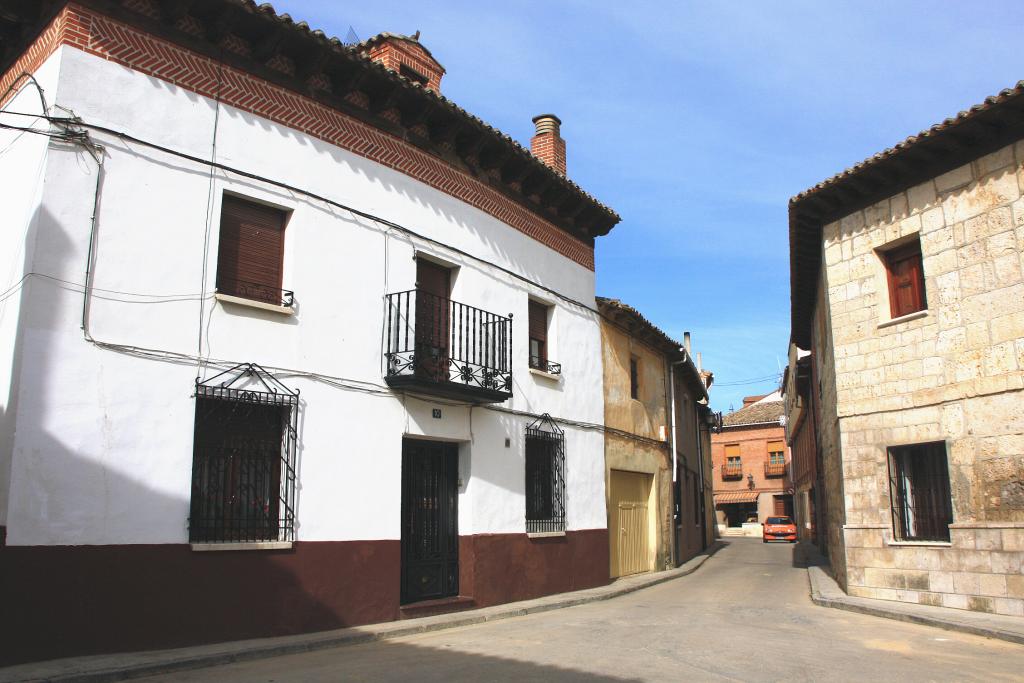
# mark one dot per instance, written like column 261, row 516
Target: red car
column 779, row 529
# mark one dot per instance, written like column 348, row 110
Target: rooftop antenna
column 351, row 38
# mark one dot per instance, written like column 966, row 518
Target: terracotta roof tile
column 900, row 147
column 756, row 413
column 357, row 50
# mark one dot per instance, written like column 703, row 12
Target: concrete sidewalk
column 118, row 667
column 827, row 593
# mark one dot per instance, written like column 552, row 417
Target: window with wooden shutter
column 538, row 324
column 906, row 279
column 251, row 252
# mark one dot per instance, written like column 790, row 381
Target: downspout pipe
column 700, row 469
column 675, row 453
column 672, row 415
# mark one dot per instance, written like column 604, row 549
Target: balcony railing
column 545, row 366
column 732, row 471
column 439, row 346
column 257, row 292
column 777, row 469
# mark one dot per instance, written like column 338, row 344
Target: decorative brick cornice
column 32, row 58
column 98, row 35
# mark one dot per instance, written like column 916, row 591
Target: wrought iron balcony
column 256, row 292
column 442, row 347
column 732, row 471
column 545, row 366
column 777, row 469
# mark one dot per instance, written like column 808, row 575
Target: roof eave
column 451, row 133
column 997, row 122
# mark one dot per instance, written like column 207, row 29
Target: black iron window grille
column 538, row 363
column 919, row 491
column 444, row 341
column 545, row 476
column 244, row 458
column 256, row 292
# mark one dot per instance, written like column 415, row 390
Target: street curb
column 103, row 668
column 825, row 592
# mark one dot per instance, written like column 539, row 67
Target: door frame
column 449, row 510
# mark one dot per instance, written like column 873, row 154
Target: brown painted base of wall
column 497, row 568
column 61, row 601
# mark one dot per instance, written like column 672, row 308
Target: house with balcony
column 290, row 341
column 658, row 446
column 751, row 465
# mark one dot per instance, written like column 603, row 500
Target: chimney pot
column 686, row 341
column 547, row 123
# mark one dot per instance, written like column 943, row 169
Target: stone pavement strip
column 827, row 593
column 123, row 666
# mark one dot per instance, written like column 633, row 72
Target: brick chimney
column 547, row 144
column 405, row 55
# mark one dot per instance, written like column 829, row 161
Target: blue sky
column 697, row 121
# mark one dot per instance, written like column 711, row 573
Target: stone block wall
column 831, row 495
column 951, row 373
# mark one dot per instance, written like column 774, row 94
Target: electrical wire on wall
column 81, row 137
column 210, row 200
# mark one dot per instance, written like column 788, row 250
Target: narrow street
column 745, row 615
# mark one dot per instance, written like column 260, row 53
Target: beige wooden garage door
column 631, row 526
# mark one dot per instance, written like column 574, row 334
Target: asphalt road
column 744, row 616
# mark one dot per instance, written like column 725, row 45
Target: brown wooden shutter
column 433, row 328
column 249, row 259
column 906, row 280
column 538, row 324
column 538, row 321
column 432, row 278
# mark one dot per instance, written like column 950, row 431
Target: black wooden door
column 430, row 520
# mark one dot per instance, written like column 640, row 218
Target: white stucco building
column 267, row 293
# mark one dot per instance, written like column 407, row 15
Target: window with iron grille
column 243, row 459
column 634, row 377
column 545, row 476
column 919, row 490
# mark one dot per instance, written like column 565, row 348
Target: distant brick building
column 750, row 464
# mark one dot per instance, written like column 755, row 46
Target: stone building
column 656, row 404
column 907, row 290
column 750, row 465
